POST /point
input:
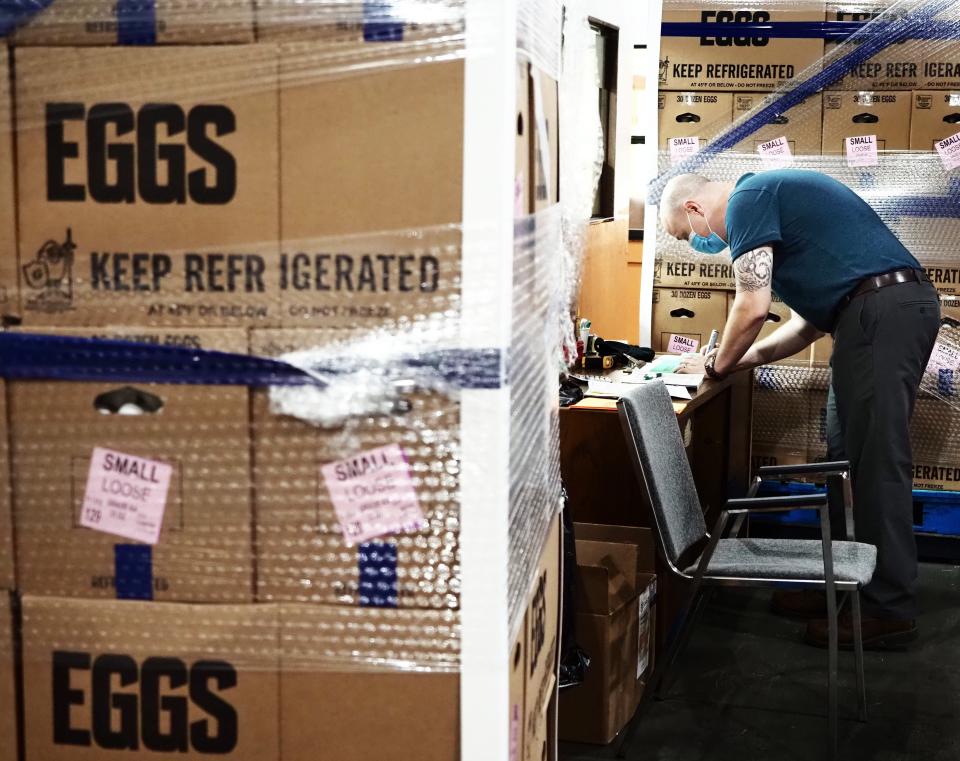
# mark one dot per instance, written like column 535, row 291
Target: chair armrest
column 776, row 504
column 839, row 468
column 816, row 502
column 810, row 469
column 742, row 507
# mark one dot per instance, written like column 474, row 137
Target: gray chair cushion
column 794, row 559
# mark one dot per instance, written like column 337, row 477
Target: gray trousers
column 882, row 343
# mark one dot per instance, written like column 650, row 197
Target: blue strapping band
column 945, row 382
column 377, row 565
column 766, row 379
column 827, row 30
column 136, row 22
column 133, row 571
column 944, row 207
column 379, row 23
column 27, row 356
column 14, row 13
column 896, row 30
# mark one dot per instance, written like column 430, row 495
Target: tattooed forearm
column 754, row 269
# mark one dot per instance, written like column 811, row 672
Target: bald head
column 688, row 196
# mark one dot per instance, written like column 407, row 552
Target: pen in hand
column 712, row 343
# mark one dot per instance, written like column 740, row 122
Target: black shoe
column 799, row 603
column 878, row 633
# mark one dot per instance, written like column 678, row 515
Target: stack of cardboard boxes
column 906, row 96
column 905, row 99
column 241, row 197
column 616, row 623
column 706, row 83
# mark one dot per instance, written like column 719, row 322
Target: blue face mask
column 711, row 244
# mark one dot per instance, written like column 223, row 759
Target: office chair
column 705, row 560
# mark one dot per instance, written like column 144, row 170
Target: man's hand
column 693, row 363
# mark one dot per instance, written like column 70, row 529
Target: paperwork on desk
column 678, row 385
column 663, row 368
column 686, row 380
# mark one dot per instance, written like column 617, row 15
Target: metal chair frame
column 701, row 582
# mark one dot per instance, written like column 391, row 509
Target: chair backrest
column 656, row 448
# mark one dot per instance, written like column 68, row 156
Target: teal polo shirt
column 825, row 238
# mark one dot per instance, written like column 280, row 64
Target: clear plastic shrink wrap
column 280, row 401
column 868, row 93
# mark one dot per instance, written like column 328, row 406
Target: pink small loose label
column 682, row 344
column 776, row 153
column 373, row 494
column 515, row 733
column 126, row 495
column 949, row 150
column 943, row 358
column 682, row 147
column 862, row 150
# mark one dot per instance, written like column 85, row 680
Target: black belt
column 876, row 282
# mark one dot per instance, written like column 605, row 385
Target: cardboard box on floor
column 342, row 667
column 692, row 313
column 936, row 476
column 162, row 22
column 176, row 680
column 801, row 125
column 935, row 435
column 703, row 115
column 9, row 278
column 935, row 117
column 855, row 114
column 108, row 236
column 352, row 258
column 737, row 63
column 8, row 692
column 204, row 552
column 901, row 66
column 7, row 571
column 542, row 626
column 294, row 509
column 616, row 600
column 777, row 317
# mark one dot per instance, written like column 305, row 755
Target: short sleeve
column 753, row 220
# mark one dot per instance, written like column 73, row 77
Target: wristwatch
column 708, row 369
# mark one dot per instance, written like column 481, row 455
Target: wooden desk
column 708, row 391
column 599, row 476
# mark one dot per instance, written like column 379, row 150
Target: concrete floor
column 747, row 689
